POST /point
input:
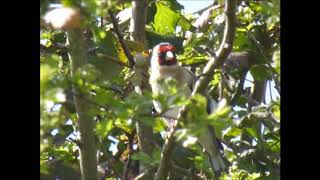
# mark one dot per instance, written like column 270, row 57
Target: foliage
column 250, row 134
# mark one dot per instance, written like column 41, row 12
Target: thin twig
column 121, row 40
column 128, row 163
column 54, row 46
column 273, row 144
column 101, row 22
column 191, row 57
column 75, row 141
column 248, row 80
column 221, row 84
column 196, row 63
column 163, row 116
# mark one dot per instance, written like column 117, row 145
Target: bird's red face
column 166, row 54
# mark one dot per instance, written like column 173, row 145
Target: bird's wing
column 191, row 77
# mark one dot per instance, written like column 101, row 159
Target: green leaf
column 216, row 79
column 155, row 38
column 44, row 168
column 142, row 157
column 59, row 37
column 241, row 42
column 219, row 119
column 276, row 61
column 69, row 3
column 168, row 16
column 231, row 132
column 220, row 124
column 156, row 155
column 102, row 128
column 152, row 10
column 260, row 72
column 202, row 162
column 275, row 108
column 197, row 114
column 108, row 45
column 159, row 125
column 184, row 23
column 252, row 132
column 45, row 75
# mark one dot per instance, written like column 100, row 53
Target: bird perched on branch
column 164, row 66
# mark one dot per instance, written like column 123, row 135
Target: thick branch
column 223, row 51
column 138, row 34
column 203, row 21
column 165, row 161
column 258, row 92
column 138, row 21
column 78, row 58
column 121, row 40
column 202, row 83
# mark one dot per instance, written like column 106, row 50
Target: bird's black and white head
column 163, row 55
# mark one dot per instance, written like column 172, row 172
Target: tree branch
column 201, row 84
column 138, row 33
column 223, row 51
column 121, row 40
column 167, row 148
column 138, row 21
column 78, row 58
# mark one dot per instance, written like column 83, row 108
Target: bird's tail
column 217, row 164
column 209, row 142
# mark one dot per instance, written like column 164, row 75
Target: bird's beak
column 169, row 56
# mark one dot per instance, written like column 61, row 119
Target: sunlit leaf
column 168, row 16
column 104, row 127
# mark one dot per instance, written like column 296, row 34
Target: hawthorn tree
column 96, row 102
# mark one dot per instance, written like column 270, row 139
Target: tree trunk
column 137, row 30
column 138, row 21
column 87, row 146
